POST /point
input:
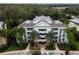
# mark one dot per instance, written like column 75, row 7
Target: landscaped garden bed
column 50, row 47
column 5, row 48
column 63, row 46
column 75, row 46
column 68, row 47
column 73, row 37
column 34, row 47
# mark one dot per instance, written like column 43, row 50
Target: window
column 60, row 35
column 60, row 31
column 29, row 28
column 42, row 33
column 28, row 33
column 63, row 31
column 63, row 35
column 55, row 28
column 42, row 29
column 59, row 40
column 55, row 33
column 63, row 39
column 55, row 37
column 28, row 37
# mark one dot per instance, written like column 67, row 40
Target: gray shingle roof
column 59, row 25
column 56, row 23
column 41, row 18
column 76, row 21
column 28, row 25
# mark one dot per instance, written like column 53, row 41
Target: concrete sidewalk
column 56, row 47
column 28, row 46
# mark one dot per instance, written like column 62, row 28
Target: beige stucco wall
column 2, row 40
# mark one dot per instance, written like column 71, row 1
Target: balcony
column 42, row 36
column 41, row 40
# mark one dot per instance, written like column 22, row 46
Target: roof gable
column 41, row 18
column 42, row 23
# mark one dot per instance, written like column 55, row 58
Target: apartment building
column 43, row 25
column 74, row 22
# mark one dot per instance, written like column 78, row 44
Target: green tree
column 50, row 36
column 19, row 34
column 13, row 34
column 72, row 39
column 64, row 20
column 34, row 35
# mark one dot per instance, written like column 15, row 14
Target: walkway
column 42, row 48
column 27, row 49
column 56, row 47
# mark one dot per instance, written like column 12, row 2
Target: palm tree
column 19, row 34
column 49, row 36
column 34, row 35
column 3, row 31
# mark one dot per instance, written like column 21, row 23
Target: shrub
column 50, row 46
column 73, row 46
column 21, row 45
column 72, row 38
column 3, row 48
column 12, row 47
column 34, row 47
column 63, row 46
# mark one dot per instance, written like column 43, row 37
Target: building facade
column 74, row 22
column 43, row 25
column 2, row 39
